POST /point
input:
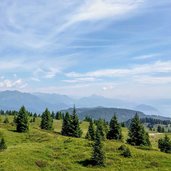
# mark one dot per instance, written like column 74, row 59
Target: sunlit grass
column 49, row 151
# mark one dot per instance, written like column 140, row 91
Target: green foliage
column 34, row 119
column 102, row 128
column 22, row 124
column 91, row 131
column 126, row 152
column 75, row 125
column 66, row 125
column 0, row 119
column 71, row 125
column 3, row 145
column 137, row 134
column 6, row 120
column 122, row 147
column 98, row 156
column 164, row 144
column 59, row 116
column 15, row 119
column 115, row 131
column 47, row 120
column 53, row 115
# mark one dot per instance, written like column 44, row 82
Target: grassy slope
column 42, row 150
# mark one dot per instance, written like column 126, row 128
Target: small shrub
column 41, row 163
column 3, row 145
column 6, row 120
column 126, row 152
column 165, row 144
column 122, row 147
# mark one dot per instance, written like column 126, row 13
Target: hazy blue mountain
column 37, row 102
column 62, row 101
column 94, row 101
column 147, row 109
column 13, row 100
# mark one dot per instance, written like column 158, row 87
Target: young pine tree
column 101, row 129
column 165, row 144
column 47, row 121
column 137, row 134
column 98, row 156
column 75, row 125
column 115, row 131
column 91, row 131
column 66, row 125
column 22, row 123
column 3, row 145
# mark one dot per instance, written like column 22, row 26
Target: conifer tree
column 15, row 119
column 0, row 118
column 75, row 125
column 47, row 121
column 98, row 156
column 53, row 115
column 66, row 125
column 115, row 131
column 3, row 145
column 137, row 134
column 91, row 131
column 101, row 129
column 164, row 144
column 58, row 116
column 22, row 120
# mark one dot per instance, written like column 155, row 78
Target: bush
column 122, row 147
column 126, row 152
column 6, row 120
column 3, row 145
column 165, row 144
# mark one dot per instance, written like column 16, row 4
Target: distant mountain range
column 37, row 102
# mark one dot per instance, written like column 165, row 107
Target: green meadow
column 40, row 150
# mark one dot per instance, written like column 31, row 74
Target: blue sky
column 115, row 48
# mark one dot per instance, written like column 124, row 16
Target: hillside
column 49, row 151
column 107, row 113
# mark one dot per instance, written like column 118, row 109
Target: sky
column 113, row 48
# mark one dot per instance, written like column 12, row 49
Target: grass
column 41, row 150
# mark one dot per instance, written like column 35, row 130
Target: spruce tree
column 115, row 131
column 101, row 129
column 91, row 131
column 47, row 121
column 98, row 156
column 66, row 125
column 75, row 125
column 22, row 124
column 164, row 144
column 3, row 145
column 137, row 134
column 15, row 119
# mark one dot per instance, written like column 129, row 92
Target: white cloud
column 154, row 68
column 8, row 84
column 143, row 57
column 100, row 9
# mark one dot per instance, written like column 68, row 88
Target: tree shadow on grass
column 87, row 162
